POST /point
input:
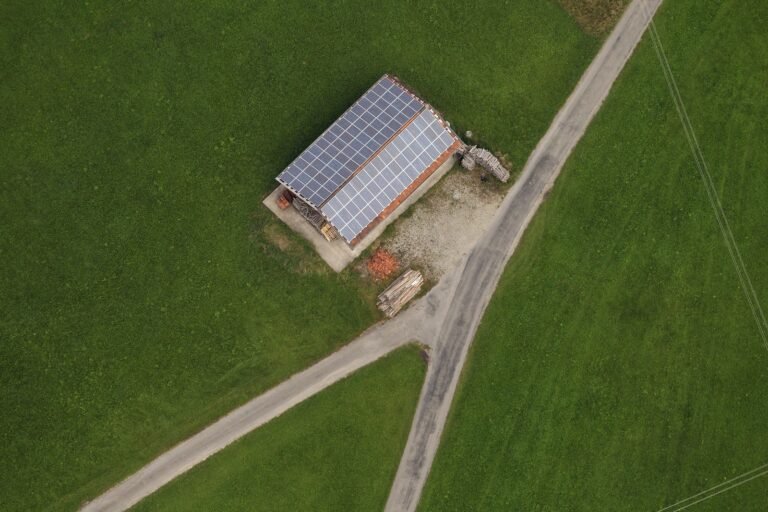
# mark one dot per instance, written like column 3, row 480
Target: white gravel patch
column 445, row 224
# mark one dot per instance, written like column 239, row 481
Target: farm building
column 368, row 161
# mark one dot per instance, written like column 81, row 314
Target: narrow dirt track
column 445, row 319
column 420, row 323
column 483, row 267
column 373, row 344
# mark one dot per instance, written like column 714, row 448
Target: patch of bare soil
column 439, row 230
column 595, row 17
column 296, row 257
column 278, row 239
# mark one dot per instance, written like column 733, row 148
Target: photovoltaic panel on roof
column 387, row 175
column 318, row 172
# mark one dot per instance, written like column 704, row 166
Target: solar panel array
column 368, row 124
column 387, row 175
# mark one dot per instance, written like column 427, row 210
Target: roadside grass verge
column 339, row 450
column 595, row 17
column 618, row 366
column 143, row 293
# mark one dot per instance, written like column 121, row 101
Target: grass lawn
column 337, row 451
column 142, row 292
column 619, row 367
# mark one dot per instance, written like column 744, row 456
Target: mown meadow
column 338, row 450
column 146, row 291
column 619, row 366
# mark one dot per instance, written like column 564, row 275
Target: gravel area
column 441, row 228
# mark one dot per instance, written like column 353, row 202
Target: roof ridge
column 373, row 155
column 302, row 165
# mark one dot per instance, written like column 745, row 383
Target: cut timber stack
column 397, row 295
column 309, row 213
column 486, row 160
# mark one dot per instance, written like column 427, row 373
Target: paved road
column 420, row 322
column 446, row 319
column 373, row 344
column 481, row 270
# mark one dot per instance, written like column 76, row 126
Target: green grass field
column 618, row 366
column 142, row 293
column 337, row 451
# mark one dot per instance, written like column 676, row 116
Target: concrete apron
column 337, row 254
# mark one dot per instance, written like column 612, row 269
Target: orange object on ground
column 283, row 203
column 285, row 199
column 382, row 264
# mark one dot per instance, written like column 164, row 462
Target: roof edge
column 317, row 207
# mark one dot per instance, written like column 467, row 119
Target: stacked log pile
column 486, row 160
column 397, row 295
column 309, row 213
